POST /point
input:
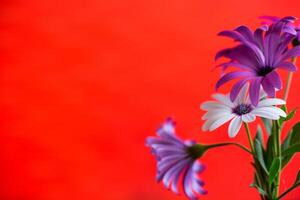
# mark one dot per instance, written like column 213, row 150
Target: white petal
column 248, row 118
column 225, row 99
column 209, row 105
column 234, row 126
column 271, row 102
column 206, row 125
column 215, row 113
column 269, row 112
column 242, row 96
column 220, row 121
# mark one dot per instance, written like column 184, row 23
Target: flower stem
column 258, row 173
column 277, row 147
column 249, row 138
column 289, row 190
column 228, row 143
column 289, row 81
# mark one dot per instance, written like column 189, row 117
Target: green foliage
column 260, row 154
column 289, row 115
column 291, row 144
column 260, row 190
column 268, row 125
column 274, row 170
column 297, row 181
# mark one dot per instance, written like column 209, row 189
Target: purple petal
column 254, row 90
column 232, row 75
column 237, row 88
column 231, row 34
column 268, row 87
column 223, row 52
column 175, row 169
column 245, row 32
column 290, row 53
column 287, row 66
column 274, row 79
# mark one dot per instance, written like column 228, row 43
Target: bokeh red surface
column 84, row 82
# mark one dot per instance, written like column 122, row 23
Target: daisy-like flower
column 241, row 110
column 177, row 159
column 290, row 27
column 257, row 56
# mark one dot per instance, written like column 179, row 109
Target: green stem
column 289, row 190
column 289, row 81
column 228, row 143
column 249, row 138
column 257, row 173
column 277, row 154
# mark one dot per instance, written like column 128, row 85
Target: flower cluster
column 255, row 59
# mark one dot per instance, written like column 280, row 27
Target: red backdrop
column 84, row 82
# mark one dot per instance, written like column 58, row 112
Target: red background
column 84, row 82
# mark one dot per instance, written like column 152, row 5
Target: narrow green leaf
column 291, row 114
column 260, row 190
column 259, row 134
column 291, row 150
column 268, row 125
column 274, row 169
column 260, row 154
column 282, row 119
column 286, row 143
column 270, row 150
column 296, row 134
column 297, row 178
column 291, row 144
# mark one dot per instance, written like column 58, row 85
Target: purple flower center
column 242, row 109
column 263, row 71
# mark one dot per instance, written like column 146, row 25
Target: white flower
column 241, row 110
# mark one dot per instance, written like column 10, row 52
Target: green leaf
column 274, row 170
column 291, row 144
column 268, row 125
column 282, row 119
column 291, row 114
column 286, row 143
column 259, row 134
column 297, row 178
column 260, row 154
column 260, row 190
column 291, row 150
column 270, row 150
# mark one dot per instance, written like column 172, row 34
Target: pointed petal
column 248, row 118
column 232, row 75
column 268, row 87
column 274, row 79
column 271, row 102
column 287, row 66
column 234, row 126
column 254, row 90
column 220, row 121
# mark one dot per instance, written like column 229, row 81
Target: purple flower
column 257, row 56
column 290, row 27
column 175, row 159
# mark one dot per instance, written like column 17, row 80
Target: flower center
column 195, row 151
column 264, row 71
column 242, row 109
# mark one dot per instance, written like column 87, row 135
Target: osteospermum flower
column 177, row 159
column 241, row 110
column 257, row 56
column 289, row 28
